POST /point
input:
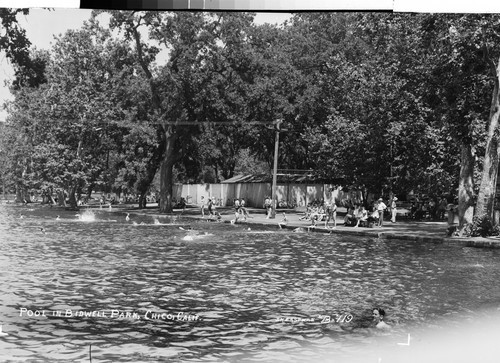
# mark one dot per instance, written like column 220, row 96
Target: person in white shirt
column 362, row 217
column 393, row 210
column 380, row 208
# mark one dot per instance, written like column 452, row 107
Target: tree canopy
column 389, row 103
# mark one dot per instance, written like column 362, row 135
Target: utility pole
column 391, row 194
column 274, row 203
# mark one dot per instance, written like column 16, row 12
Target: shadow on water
column 169, row 289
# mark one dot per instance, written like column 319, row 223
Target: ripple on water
column 238, row 283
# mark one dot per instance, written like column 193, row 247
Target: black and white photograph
column 233, row 185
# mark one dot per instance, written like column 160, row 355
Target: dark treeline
column 387, row 102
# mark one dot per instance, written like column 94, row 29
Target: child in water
column 378, row 317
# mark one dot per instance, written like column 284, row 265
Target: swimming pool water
column 130, row 292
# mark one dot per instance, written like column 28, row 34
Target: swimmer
column 21, row 216
column 299, row 230
column 127, row 218
column 58, row 218
column 312, row 226
column 378, row 317
column 42, row 230
column 194, row 235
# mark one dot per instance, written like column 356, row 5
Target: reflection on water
column 155, row 290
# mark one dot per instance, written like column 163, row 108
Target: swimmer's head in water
column 378, row 314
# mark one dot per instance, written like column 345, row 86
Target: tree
column 13, row 39
column 190, row 39
column 461, row 66
column 68, row 121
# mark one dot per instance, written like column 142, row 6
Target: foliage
column 66, row 122
column 481, row 226
column 13, row 38
column 384, row 101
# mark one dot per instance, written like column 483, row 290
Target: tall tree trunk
column 152, row 167
column 487, row 189
column 168, row 137
column 72, row 196
column 166, row 176
column 143, row 198
column 73, row 186
column 364, row 196
column 21, row 193
column 61, row 198
column 465, row 187
column 90, row 188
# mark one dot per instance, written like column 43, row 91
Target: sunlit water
column 226, row 293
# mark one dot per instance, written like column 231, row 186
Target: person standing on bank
column 202, row 206
column 450, row 211
column 243, row 209
column 210, row 207
column 393, row 210
column 381, row 207
column 236, row 203
column 331, row 214
column 267, row 205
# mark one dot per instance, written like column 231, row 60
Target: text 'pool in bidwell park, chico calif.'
column 111, row 314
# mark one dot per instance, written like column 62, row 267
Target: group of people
column 240, row 210
column 321, row 211
column 209, row 204
column 359, row 216
column 432, row 208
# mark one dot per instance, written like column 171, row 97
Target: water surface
column 221, row 292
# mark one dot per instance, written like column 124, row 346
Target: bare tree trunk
column 465, row 187
column 166, row 177
column 151, row 168
column 75, row 183
column 72, row 197
column 487, row 189
column 167, row 163
column 143, row 199
column 61, row 198
column 21, row 193
column 89, row 190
